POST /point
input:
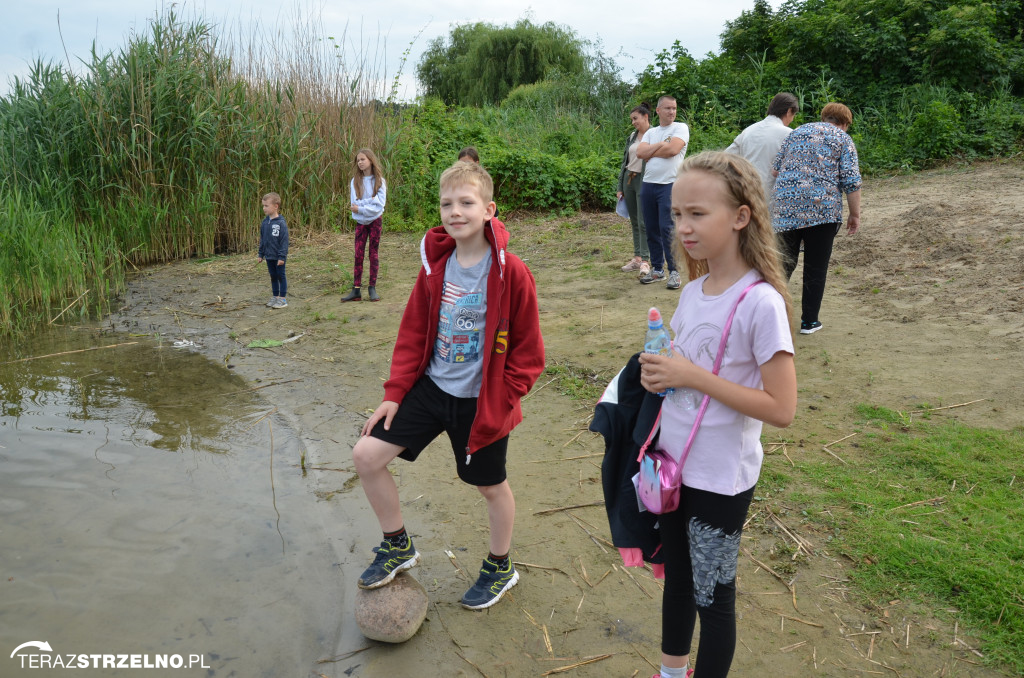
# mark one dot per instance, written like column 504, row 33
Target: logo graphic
column 35, row 660
column 33, row 643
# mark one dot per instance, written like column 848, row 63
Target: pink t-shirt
column 726, row 454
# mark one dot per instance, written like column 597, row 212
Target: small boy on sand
column 469, row 348
column 274, row 248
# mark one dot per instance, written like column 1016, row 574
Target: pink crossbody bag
column 660, row 476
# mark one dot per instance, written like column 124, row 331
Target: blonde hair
column 462, row 173
column 273, row 199
column 741, row 185
column 357, row 174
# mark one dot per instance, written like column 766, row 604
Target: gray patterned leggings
column 700, row 542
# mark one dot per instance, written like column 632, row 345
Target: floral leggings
column 363, row 231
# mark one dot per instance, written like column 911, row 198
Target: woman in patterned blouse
column 816, row 165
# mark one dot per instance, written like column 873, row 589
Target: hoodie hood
column 437, row 245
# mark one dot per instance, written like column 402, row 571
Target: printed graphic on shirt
column 458, row 328
column 275, row 230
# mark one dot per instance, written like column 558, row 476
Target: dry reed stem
column 969, row 648
column 574, row 438
column 801, row 543
column 589, row 533
column 445, row 626
column 541, row 567
column 81, row 350
column 774, row 574
column 69, row 306
column 934, row 501
column 839, row 441
column 260, row 419
column 463, row 657
column 948, row 407
column 451, row 556
column 198, row 315
column 569, row 508
column 790, row 648
column 638, row 584
column 846, row 463
column 538, row 388
column 584, row 662
column 345, row 655
column 582, row 456
column 802, row 621
column 547, row 639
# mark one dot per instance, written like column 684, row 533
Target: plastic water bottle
column 657, row 340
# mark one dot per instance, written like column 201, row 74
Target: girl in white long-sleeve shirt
column 368, row 195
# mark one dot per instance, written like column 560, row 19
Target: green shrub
column 935, row 133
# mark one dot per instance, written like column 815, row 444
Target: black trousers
column 817, row 241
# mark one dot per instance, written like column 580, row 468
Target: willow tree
column 481, row 63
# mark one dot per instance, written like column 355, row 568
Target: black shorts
column 425, row 412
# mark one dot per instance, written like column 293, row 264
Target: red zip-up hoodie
column 513, row 350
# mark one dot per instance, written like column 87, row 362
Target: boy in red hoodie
column 469, row 348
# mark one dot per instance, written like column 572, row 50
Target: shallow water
column 152, row 504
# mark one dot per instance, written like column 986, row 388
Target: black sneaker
column 810, row 328
column 387, row 564
column 490, row 586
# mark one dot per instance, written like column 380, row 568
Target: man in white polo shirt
column 663, row 147
column 760, row 142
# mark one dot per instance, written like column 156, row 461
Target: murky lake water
column 150, row 505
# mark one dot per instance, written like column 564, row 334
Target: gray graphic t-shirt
column 457, row 364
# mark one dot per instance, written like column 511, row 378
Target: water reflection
column 142, row 510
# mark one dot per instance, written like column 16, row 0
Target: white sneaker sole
column 511, row 582
column 409, row 564
column 812, row 330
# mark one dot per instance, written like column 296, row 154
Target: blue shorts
column 425, row 413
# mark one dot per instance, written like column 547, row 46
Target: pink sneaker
column 632, row 265
column 645, row 268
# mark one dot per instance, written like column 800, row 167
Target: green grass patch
column 264, row 343
column 579, row 383
column 931, row 512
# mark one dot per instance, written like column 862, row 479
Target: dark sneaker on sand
column 388, row 562
column 490, row 586
column 654, row 276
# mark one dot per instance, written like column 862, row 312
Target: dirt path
column 924, row 306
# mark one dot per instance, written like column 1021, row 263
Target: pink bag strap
column 714, row 370
column 704, row 403
column 650, row 436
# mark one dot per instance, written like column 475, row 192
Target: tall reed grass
column 162, row 150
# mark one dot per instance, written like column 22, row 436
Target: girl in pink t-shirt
column 723, row 232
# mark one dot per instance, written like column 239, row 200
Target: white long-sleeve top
column 369, row 208
column 760, row 143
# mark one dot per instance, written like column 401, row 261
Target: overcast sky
column 633, row 39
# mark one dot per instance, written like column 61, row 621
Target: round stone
column 394, row 612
